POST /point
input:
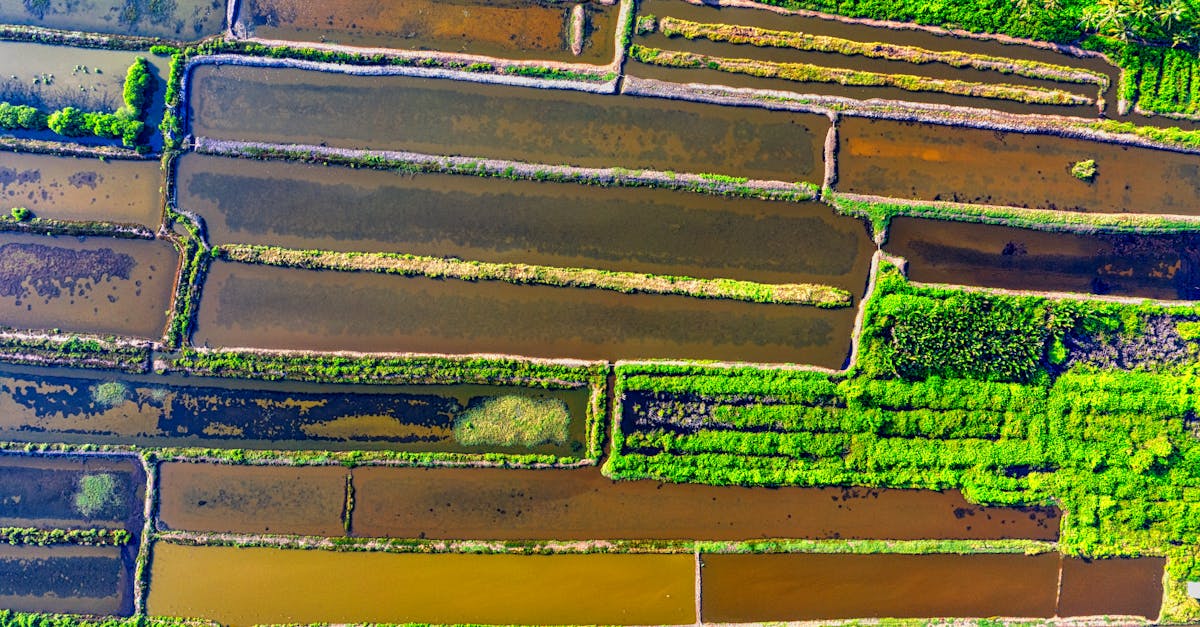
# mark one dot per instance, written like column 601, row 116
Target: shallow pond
column 71, row 491
column 178, row 19
column 66, row 579
column 80, row 188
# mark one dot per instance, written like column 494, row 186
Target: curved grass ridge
column 809, row 73
column 880, row 210
column 824, row 296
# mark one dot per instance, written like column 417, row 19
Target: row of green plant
column 45, row 537
column 350, row 459
column 824, row 296
column 1154, row 79
column 75, row 351
column 880, row 211
column 714, row 184
column 810, row 73
column 762, row 37
column 195, row 258
column 991, row 394
column 11, row 618
column 127, row 123
column 23, row 220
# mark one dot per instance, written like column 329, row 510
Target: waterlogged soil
column 240, row 587
column 1150, row 266
column 496, row 121
column 520, row 29
column 557, row 224
column 1113, row 587
column 796, row 586
column 65, row 579
column 930, row 162
column 177, row 19
column 40, row 405
column 96, row 285
column 43, row 492
column 582, row 504
column 77, row 188
column 252, row 499
column 709, row 14
column 53, row 77
column 286, row 308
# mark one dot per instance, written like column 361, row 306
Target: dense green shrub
column 139, row 87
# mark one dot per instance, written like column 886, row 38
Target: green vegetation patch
column 514, row 420
column 1154, row 79
column 1084, row 170
column 110, row 393
column 97, row 493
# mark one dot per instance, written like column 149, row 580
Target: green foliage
column 1156, row 80
column 21, row 214
column 139, row 86
column 68, row 121
column 1188, row 330
column 1084, row 170
column 97, row 493
column 110, row 393
column 10, row 618
column 514, row 420
column 45, row 537
column 21, row 118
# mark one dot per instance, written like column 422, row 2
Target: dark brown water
column 518, row 29
column 931, row 162
column 797, row 586
column 559, row 224
column 96, row 285
column 65, row 579
column 74, row 188
column 1164, row 266
column 240, row 587
column 252, row 499
column 1117, row 587
column 268, row 307
column 62, row 405
column 178, row 19
column 536, row 125
column 46, row 492
column 501, row 504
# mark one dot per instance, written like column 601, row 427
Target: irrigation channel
column 636, row 552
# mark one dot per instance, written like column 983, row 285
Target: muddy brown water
column 1150, row 266
column 581, row 504
column 43, row 491
column 78, row 188
column 559, row 224
column 931, row 162
column 536, row 125
column 94, row 284
column 796, row 586
column 61, row 405
column 246, row 499
column 66, row 579
column 518, row 29
column 269, row 307
column 178, row 19
column 238, row 587
column 1117, row 587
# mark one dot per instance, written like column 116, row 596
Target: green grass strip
column 809, row 73
column 82, row 537
column 762, row 37
column 627, row 282
column 901, row 547
column 880, row 211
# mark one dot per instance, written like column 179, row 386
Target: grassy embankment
column 45, row 537
column 127, row 123
column 628, row 282
column 761, row 37
column 810, row 73
column 1014, row 400
column 9, row 618
column 40, row 348
column 879, row 212
column 1155, row 80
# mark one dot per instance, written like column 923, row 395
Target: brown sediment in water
column 68, row 188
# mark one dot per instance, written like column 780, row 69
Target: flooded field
column 67, row 579
column 71, row 491
column 239, row 587
column 539, row 126
column 95, row 284
column 558, row 224
column 1150, row 266
column 930, row 162
column 59, row 405
column 253, row 499
column 797, row 586
column 518, row 29
column 77, row 188
column 53, row 77
column 1118, row 587
column 581, row 504
column 177, row 19
column 269, row 307
column 710, row 14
